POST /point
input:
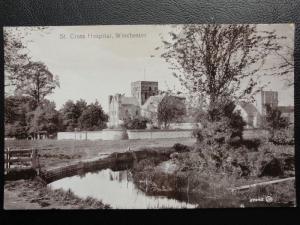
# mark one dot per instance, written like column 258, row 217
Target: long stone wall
column 149, row 134
column 114, row 134
column 106, row 134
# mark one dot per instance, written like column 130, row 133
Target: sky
column 93, row 62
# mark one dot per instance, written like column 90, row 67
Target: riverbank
column 192, row 169
column 207, row 174
column 33, row 194
column 69, row 151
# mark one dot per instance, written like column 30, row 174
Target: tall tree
column 212, row 60
column 16, row 54
column 286, row 65
column 93, row 117
column 80, row 106
column 274, row 119
column 36, row 81
column 69, row 116
column 44, row 118
column 16, row 115
column 15, row 57
column 170, row 109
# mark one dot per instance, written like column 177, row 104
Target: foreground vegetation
column 35, row 194
column 197, row 173
column 204, row 174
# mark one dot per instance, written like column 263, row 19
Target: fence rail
column 245, row 187
column 20, row 158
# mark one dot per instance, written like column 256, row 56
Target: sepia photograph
column 149, row 116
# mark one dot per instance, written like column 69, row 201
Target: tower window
column 150, row 89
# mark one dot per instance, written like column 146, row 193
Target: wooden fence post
column 33, row 158
column 8, row 158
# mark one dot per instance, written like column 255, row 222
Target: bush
column 215, row 132
column 274, row 119
column 283, row 137
column 136, row 123
column 225, row 125
column 251, row 144
column 181, row 148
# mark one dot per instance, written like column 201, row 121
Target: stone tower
column 142, row 90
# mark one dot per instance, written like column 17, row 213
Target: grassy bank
column 33, row 194
column 69, row 150
column 206, row 174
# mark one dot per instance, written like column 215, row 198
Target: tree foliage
column 70, row 114
column 15, row 57
column 16, row 115
column 16, row 54
column 36, row 81
column 136, row 123
column 274, row 119
column 212, row 60
column 44, row 118
column 93, row 117
column 227, row 124
column 170, row 109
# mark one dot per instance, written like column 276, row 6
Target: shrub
column 181, row 148
column 274, row 119
column 225, row 125
column 251, row 144
column 283, row 137
column 136, row 123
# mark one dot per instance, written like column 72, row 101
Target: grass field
column 70, row 150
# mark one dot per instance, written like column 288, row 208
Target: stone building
column 146, row 98
column 142, row 90
column 120, row 108
column 253, row 114
column 250, row 114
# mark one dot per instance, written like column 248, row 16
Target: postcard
column 149, row 116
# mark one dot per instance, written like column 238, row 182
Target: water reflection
column 116, row 189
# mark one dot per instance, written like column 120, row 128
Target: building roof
column 129, row 101
column 152, row 100
column 286, row 109
column 249, row 108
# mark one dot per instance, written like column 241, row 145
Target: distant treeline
column 23, row 118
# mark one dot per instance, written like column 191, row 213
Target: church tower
column 142, row 90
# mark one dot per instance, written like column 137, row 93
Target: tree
column 274, row 119
column 36, row 81
column 69, row 116
column 229, row 124
column 44, row 118
column 16, row 115
column 170, row 109
column 212, row 60
column 93, row 118
column 80, row 106
column 71, row 112
column 14, row 57
column 16, row 53
column 286, row 66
